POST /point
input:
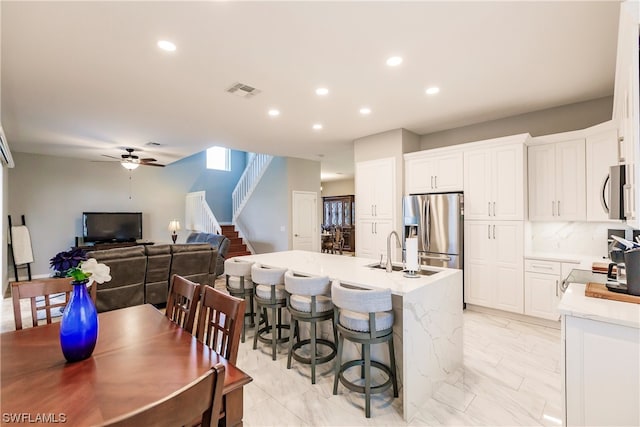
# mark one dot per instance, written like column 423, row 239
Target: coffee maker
column 623, row 274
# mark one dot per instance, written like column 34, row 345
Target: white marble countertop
column 575, row 303
column 349, row 270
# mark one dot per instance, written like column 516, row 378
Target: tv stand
column 98, row 246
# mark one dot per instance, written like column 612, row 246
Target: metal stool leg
column 338, row 364
column 367, row 379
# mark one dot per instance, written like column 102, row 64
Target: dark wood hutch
column 339, row 211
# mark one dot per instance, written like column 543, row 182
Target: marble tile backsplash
column 572, row 238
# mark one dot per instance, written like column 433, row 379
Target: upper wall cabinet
column 601, row 153
column 375, row 188
column 557, row 181
column 494, row 182
column 433, row 171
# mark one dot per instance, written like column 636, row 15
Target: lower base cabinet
column 493, row 275
column 602, row 373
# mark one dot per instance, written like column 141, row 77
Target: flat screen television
column 111, row 226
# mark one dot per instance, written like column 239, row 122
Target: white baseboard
column 515, row 316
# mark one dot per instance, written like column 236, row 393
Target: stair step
column 240, row 253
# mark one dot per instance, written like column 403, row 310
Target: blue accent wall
column 218, row 184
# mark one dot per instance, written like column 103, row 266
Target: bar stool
column 363, row 316
column 308, row 300
column 239, row 284
column 269, row 293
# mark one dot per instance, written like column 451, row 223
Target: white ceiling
column 82, row 79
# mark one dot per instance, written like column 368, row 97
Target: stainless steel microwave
column 617, row 180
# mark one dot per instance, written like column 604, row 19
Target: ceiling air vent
column 242, row 90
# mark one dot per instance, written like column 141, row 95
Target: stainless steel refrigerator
column 437, row 221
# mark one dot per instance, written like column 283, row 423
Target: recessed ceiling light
column 365, row 111
column 274, row 113
column 321, row 91
column 166, row 45
column 432, row 90
column 317, row 126
column 394, row 61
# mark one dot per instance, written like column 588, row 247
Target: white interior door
column 305, row 221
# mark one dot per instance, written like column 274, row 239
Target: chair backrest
column 238, row 268
column 360, row 300
column 305, row 285
column 267, row 276
column 220, row 322
column 43, row 289
column 182, row 302
column 203, row 397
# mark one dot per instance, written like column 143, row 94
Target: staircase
column 237, row 246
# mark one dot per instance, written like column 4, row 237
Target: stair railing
column 199, row 216
column 248, row 181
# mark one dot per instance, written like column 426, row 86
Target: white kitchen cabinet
column 601, row 372
column 375, row 188
column 371, row 238
column 493, row 274
column 375, row 205
column 557, row 183
column 494, row 183
column 601, row 153
column 626, row 108
column 542, row 288
column 433, row 171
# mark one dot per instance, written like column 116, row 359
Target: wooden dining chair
column 220, row 322
column 202, row 396
column 182, row 302
column 46, row 295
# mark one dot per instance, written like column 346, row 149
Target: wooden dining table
column 140, row 357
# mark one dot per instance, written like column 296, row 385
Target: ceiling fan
column 131, row 161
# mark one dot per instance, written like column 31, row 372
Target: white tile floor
column 510, row 376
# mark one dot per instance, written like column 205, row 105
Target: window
column 219, row 158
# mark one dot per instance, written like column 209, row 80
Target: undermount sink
column 399, row 268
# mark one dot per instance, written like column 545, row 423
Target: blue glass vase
column 79, row 325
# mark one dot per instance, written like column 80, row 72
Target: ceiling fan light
column 130, row 165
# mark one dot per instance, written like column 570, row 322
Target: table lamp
column 174, row 226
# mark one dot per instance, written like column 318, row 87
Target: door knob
column 295, row 235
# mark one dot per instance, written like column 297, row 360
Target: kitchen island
column 601, row 353
column 427, row 309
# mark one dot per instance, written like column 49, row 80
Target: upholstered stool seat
column 308, row 301
column 364, row 317
column 239, row 284
column 269, row 294
column 264, row 291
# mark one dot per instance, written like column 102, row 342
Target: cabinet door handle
column 558, row 208
column 489, row 231
column 494, row 231
column 553, row 208
column 432, row 182
column 494, row 208
column 372, row 228
column 545, row 267
column 556, row 288
column 488, row 208
column 375, row 227
column 371, row 210
column 435, row 180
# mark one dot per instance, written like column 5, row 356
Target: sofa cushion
column 157, row 277
column 108, row 254
column 190, row 247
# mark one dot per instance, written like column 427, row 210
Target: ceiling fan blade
column 111, row 157
column 148, row 159
column 151, row 164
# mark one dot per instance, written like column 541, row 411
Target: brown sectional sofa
column 141, row 274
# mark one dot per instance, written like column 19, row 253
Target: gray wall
column 342, row 187
column 543, row 122
column 52, row 192
column 218, row 185
column 266, row 219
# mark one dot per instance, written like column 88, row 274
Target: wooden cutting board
column 602, row 267
column 598, row 290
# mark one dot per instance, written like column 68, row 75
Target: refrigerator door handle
column 439, row 258
column 426, row 224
